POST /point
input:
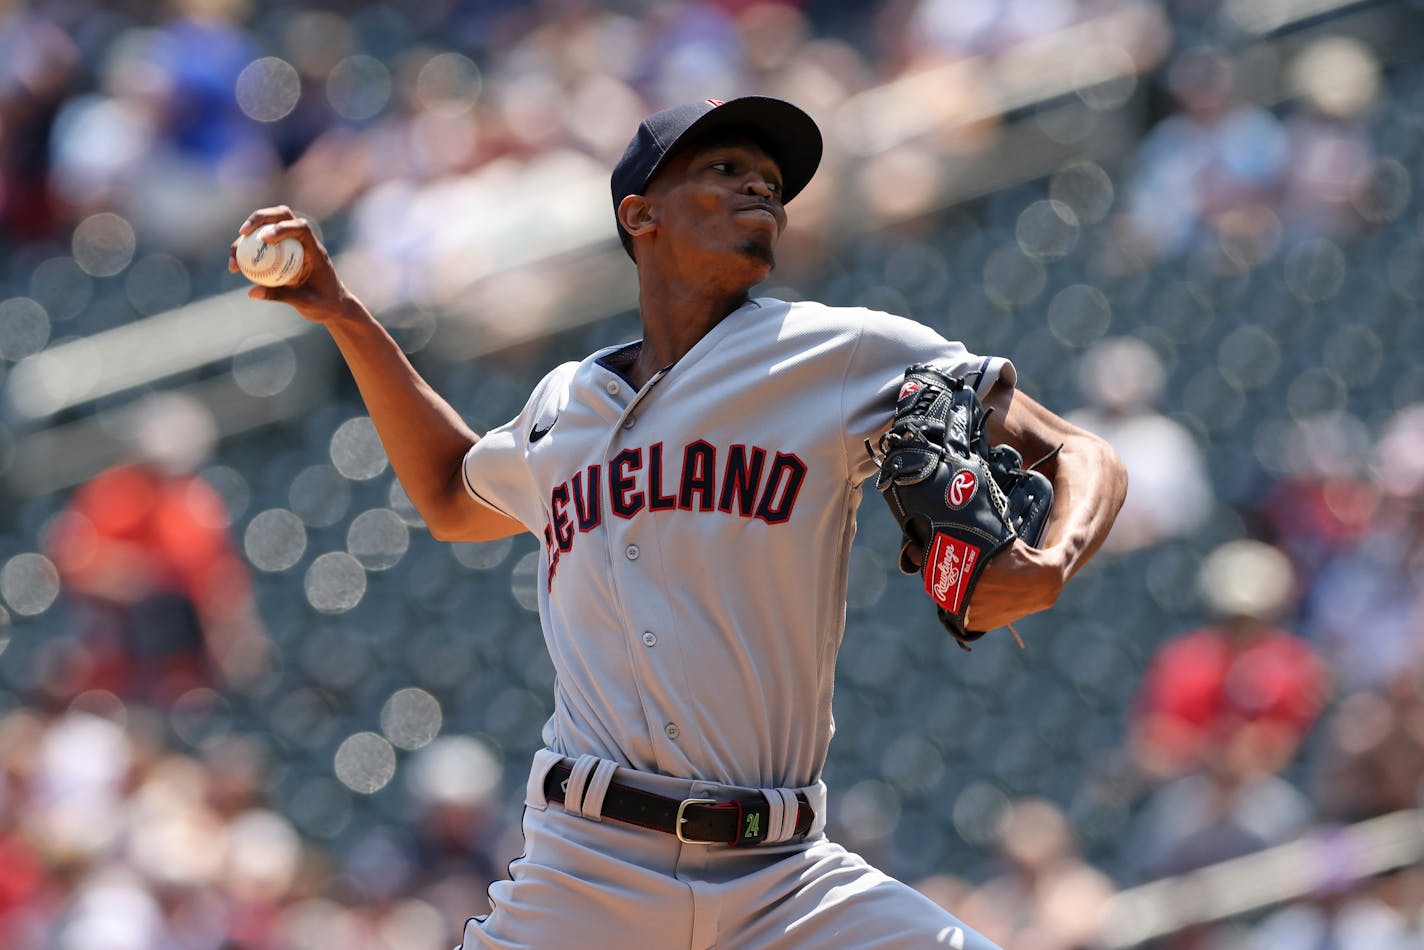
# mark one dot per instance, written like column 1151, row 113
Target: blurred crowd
column 1282, row 696
column 1295, row 710
column 111, row 838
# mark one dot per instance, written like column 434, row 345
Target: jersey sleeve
column 496, row 470
column 885, row 346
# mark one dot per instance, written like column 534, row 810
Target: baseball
column 271, row 265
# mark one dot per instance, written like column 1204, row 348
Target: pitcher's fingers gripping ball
column 271, row 264
column 957, row 499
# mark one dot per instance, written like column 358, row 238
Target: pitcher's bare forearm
column 1089, row 486
column 1089, row 480
column 424, row 437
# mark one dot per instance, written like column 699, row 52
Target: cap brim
column 788, row 134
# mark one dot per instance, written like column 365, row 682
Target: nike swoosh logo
column 536, row 433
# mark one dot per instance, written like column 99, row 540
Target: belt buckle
column 682, row 818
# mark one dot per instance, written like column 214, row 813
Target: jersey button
column 632, row 552
column 650, row 639
column 671, row 730
column 612, row 387
column 629, row 422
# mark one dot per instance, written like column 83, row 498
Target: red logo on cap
column 716, row 102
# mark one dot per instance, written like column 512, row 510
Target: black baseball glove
column 957, row 499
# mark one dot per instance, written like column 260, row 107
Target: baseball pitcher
column 695, row 493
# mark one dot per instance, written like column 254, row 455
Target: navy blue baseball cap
column 787, row 133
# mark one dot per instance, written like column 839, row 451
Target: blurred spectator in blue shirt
column 174, row 140
column 1208, row 176
column 1366, row 610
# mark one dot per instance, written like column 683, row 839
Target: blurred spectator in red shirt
column 1323, row 499
column 1222, row 710
column 164, row 600
column 39, row 70
column 1240, row 687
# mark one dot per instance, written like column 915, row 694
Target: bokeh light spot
column 1085, row 188
column 449, row 84
column 358, row 87
column 275, row 540
column 524, row 581
column 24, row 328
column 200, row 714
column 29, row 583
column 978, row 812
column 1079, row 314
column 482, row 555
column 264, row 366
column 1012, row 279
column 411, row 718
column 912, row 764
column 304, row 717
column 1047, row 229
column 268, row 89
column 459, row 770
column 356, row 450
column 322, row 808
column 61, row 287
column 1105, row 77
column 378, row 539
column 365, row 763
column 1215, row 401
column 158, row 282
column 1249, row 357
column 103, row 244
column 335, row 582
column 1383, row 193
column 412, row 327
column 319, row 495
column 401, row 504
column 870, row 809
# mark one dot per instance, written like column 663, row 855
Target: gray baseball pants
column 603, row 885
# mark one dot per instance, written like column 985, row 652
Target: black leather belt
column 737, row 822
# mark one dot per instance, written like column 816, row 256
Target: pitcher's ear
column 636, row 215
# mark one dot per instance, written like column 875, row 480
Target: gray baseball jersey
column 697, row 534
column 697, row 537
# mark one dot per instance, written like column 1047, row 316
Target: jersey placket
column 633, row 553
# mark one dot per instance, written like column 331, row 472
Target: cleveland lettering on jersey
column 742, row 480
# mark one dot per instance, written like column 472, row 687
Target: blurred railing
column 1329, row 858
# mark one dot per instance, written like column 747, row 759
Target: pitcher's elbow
column 1116, row 470
column 441, row 531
